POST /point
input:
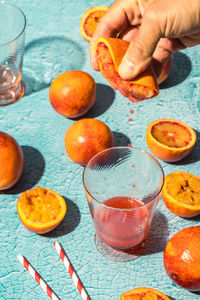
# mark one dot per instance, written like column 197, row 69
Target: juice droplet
column 132, row 166
column 130, row 120
column 132, row 111
column 129, row 145
column 133, row 185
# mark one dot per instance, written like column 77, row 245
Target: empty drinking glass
column 12, row 37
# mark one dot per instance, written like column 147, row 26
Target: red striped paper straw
column 71, row 271
column 37, row 277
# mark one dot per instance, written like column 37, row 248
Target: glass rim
column 24, row 17
column 125, row 209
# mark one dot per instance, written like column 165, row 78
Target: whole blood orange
column 72, row 93
column 109, row 53
column 87, row 137
column 11, row 161
column 182, row 260
column 144, row 293
column 40, row 209
column 90, row 20
column 181, row 194
column 170, row 140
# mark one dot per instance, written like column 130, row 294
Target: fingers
column 104, row 29
column 155, row 20
column 108, row 28
column 165, row 48
column 162, row 53
column 157, row 67
column 129, row 34
column 141, row 49
column 160, row 19
column 116, row 19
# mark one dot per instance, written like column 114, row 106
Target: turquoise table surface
column 54, row 45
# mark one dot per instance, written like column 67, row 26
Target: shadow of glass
column 194, row 155
column 120, row 139
column 156, row 239
column 46, row 58
column 34, row 166
column 69, row 223
column 105, row 96
column 181, row 68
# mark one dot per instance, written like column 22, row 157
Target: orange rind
column 144, row 293
column 90, row 20
column 109, row 53
column 41, row 209
column 181, row 194
column 170, row 140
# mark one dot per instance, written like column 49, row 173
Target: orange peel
column 109, row 53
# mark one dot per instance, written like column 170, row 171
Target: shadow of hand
column 181, row 69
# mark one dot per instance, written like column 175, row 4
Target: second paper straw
column 71, row 271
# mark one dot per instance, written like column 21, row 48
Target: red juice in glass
column 122, row 222
column 123, row 187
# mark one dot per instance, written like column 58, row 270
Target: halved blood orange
column 41, row 209
column 144, row 293
column 109, row 53
column 170, row 140
column 181, row 194
column 90, row 20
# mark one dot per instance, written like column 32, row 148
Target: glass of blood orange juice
column 123, row 186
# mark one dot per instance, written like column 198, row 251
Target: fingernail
column 126, row 68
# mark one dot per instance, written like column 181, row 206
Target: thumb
column 139, row 54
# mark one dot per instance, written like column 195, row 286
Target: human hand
column 154, row 28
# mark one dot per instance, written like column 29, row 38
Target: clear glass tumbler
column 122, row 186
column 12, row 38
